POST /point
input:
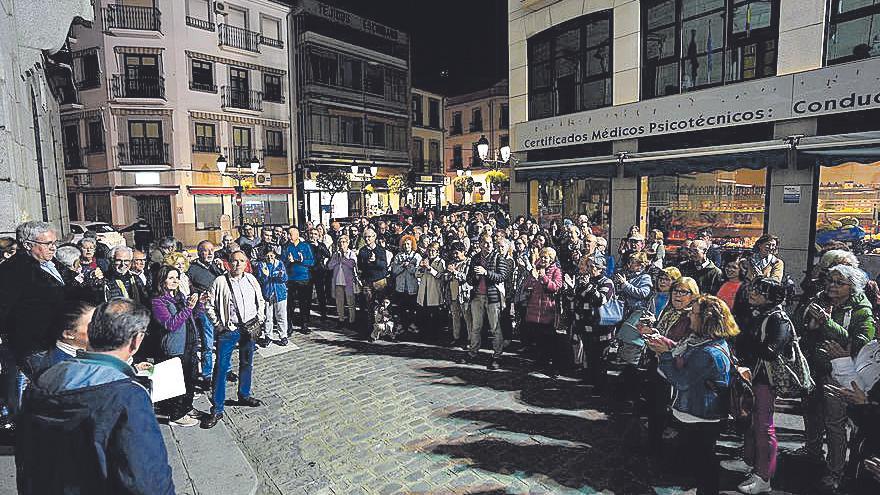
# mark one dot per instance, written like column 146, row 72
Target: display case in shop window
column 848, row 212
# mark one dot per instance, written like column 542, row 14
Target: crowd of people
column 680, row 323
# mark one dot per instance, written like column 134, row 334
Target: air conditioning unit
column 264, row 179
column 219, row 7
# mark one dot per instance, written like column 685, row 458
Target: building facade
column 470, row 117
column 164, row 88
column 735, row 115
column 428, row 136
column 33, row 74
column 353, row 91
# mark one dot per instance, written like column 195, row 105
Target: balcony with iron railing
column 274, row 151
column 435, row 166
column 199, row 23
column 206, row 146
column 144, row 153
column 202, row 86
column 138, row 87
column 240, row 38
column 241, row 156
column 132, row 17
column 242, row 98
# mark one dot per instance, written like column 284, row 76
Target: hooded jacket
column 87, row 427
column 851, row 325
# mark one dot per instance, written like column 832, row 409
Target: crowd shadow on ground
column 579, row 440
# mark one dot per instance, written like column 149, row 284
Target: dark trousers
column 698, row 442
column 225, row 345
column 178, row 407
column 547, row 345
column 659, row 396
column 594, row 354
column 299, row 294
column 322, row 291
column 406, row 310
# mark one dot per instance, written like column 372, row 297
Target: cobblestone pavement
column 344, row 416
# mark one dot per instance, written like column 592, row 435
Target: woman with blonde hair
column 698, row 368
column 181, row 262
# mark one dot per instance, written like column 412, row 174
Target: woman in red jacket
column 541, row 285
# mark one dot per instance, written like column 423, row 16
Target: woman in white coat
column 430, row 295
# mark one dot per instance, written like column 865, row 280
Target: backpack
column 789, row 373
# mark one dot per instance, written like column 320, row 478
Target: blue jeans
column 207, row 336
column 225, row 345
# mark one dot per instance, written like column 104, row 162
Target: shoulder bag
column 789, row 373
column 741, row 397
column 252, row 326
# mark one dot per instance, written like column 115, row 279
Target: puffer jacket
column 851, row 325
column 274, row 283
column 541, row 307
column 636, row 291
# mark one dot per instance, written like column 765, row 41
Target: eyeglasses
column 681, row 292
column 50, row 244
column 122, row 262
column 139, row 260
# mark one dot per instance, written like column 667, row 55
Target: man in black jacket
column 708, row 276
column 31, row 291
column 121, row 283
column 373, row 270
column 319, row 277
column 87, row 426
column 487, row 273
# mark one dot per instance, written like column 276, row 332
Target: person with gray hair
column 121, row 282
column 840, row 314
column 31, row 291
column 87, row 426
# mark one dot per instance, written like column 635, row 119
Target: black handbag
column 253, row 327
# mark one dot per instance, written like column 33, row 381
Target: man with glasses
column 121, row 282
column 31, row 291
column 708, row 276
column 139, row 269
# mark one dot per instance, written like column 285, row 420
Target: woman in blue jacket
column 698, row 368
column 272, row 275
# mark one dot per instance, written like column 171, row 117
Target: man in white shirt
column 236, row 299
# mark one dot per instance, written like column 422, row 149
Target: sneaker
column 760, row 485
column 263, row 342
column 748, row 481
column 185, row 421
column 283, row 342
column 493, row 365
column 305, row 330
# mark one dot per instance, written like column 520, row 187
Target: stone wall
column 31, row 162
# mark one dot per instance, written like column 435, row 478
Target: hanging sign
column 791, row 194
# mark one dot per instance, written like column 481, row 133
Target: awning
column 772, row 154
column 830, row 151
column 146, row 190
column 222, row 191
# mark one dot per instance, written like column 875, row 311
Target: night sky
column 467, row 38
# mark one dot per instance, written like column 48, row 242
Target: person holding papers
column 175, row 315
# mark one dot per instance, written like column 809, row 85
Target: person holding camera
column 175, row 314
column 237, row 310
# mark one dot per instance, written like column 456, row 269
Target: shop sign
column 791, row 194
column 354, row 21
column 838, row 89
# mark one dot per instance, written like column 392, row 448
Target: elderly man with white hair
column 79, row 285
column 842, row 315
column 31, row 290
column 121, row 282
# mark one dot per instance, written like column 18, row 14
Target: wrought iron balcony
column 199, row 23
column 237, row 37
column 274, row 152
column 132, row 17
column 241, row 156
column 139, row 87
column 199, row 86
column 205, row 146
column 271, row 42
column 144, row 153
column 93, row 149
column 242, row 98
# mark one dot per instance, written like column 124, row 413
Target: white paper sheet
column 167, row 379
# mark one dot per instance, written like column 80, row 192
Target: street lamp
column 365, row 174
column 222, row 164
column 502, row 155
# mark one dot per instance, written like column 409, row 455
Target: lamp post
column 502, row 155
column 238, row 176
column 365, row 174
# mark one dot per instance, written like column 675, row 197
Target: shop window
column 570, row 67
column 853, row 31
column 272, row 88
column 695, row 44
column 558, row 199
column 208, row 210
column 731, row 204
column 847, row 208
column 264, row 209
